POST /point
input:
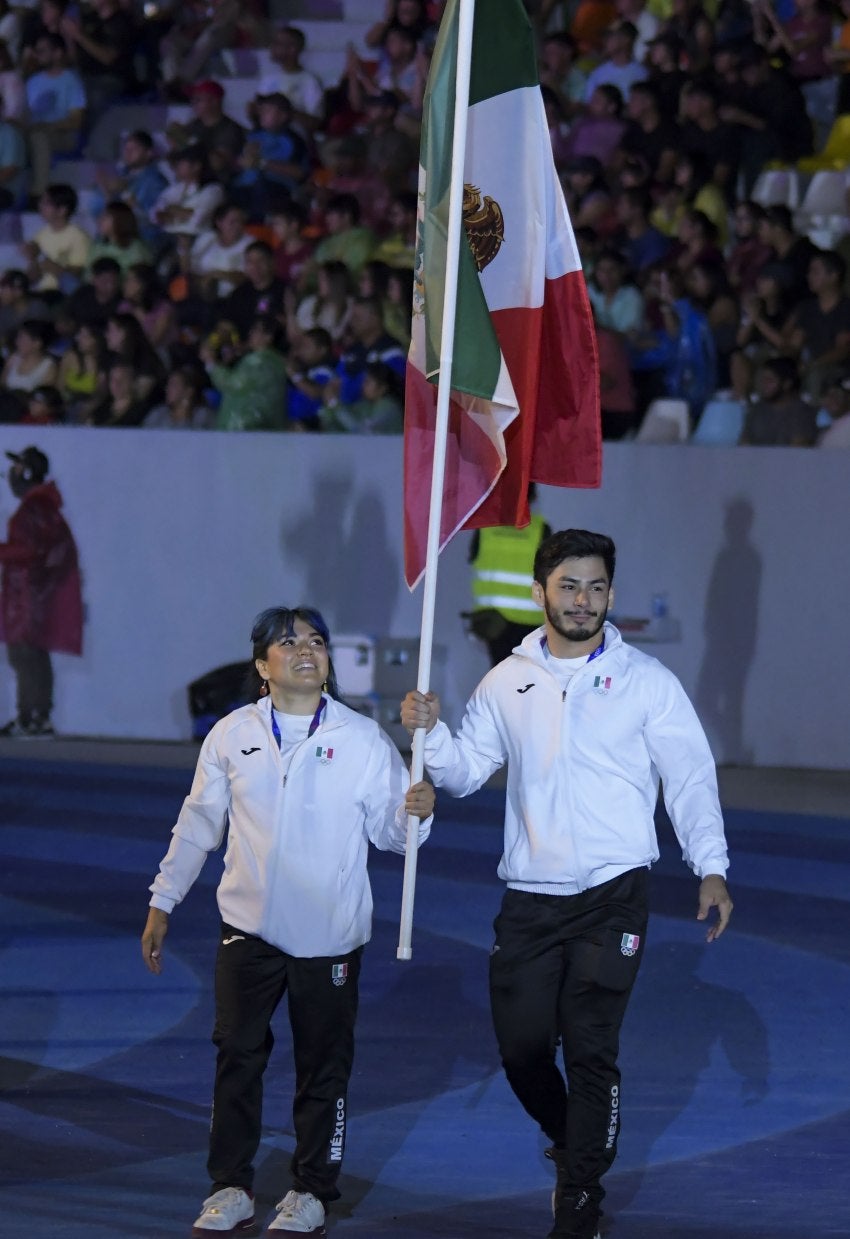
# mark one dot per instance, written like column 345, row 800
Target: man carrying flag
column 524, row 373
column 586, row 726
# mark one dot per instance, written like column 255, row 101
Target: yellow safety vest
column 503, row 571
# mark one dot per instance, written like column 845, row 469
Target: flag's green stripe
column 503, row 56
column 477, row 357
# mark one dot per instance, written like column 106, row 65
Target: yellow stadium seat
column 835, row 154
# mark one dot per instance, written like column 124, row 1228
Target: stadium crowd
column 259, row 276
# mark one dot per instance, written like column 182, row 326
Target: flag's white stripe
column 538, row 238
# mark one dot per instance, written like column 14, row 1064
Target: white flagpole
column 466, row 15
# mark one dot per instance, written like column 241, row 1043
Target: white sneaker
column 229, row 1211
column 299, row 1213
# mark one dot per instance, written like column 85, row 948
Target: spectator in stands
column 749, row 253
column 780, row 418
column 28, row 366
column 665, row 70
column 253, row 392
column 274, row 162
column 347, row 240
column 329, row 307
column 561, row 73
column 645, row 22
column 588, row 24
column 696, row 241
column 764, row 313
column 709, row 290
column 122, row 405
column 219, row 136
column 770, row 115
column 389, row 151
column 599, row 131
column 13, row 163
column 201, row 29
column 617, row 390
column 559, row 129
column 58, row 253
column 12, row 89
column 310, row 367
column 215, row 263
column 137, row 180
column 836, row 403
column 44, row 407
column 398, row 248
column 17, row 304
column 396, row 70
column 379, row 409
column 817, row 333
column 103, row 41
column 184, row 407
column 588, row 195
column 118, row 237
column 127, row 342
column 619, row 67
column 261, row 293
column 82, row 373
column 56, row 102
column 805, row 39
column 689, row 21
column 704, row 134
column 641, row 243
column 792, row 251
column 682, row 350
column 690, row 190
column 289, row 77
column 186, row 206
column 344, row 170
column 617, row 303
column 98, row 298
column 650, row 135
column 411, row 15
column 292, row 251
column 145, row 298
column 369, row 342
column 838, row 56
column 44, row 18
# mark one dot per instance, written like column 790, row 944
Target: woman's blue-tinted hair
column 276, row 622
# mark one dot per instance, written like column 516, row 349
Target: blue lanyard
column 317, row 718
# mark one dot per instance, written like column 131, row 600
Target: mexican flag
column 525, row 375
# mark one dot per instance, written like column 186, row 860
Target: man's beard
column 584, row 633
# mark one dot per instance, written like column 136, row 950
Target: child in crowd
column 59, row 252
column 310, row 368
column 379, row 411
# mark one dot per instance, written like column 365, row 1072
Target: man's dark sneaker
column 13, row 731
column 576, row 1217
column 39, row 727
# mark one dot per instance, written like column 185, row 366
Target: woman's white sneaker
column 229, row 1211
column 299, row 1213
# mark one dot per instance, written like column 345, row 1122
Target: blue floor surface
column 736, row 1118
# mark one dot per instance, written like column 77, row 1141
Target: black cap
column 33, row 461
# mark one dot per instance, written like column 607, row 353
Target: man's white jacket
column 297, row 830
column 584, row 765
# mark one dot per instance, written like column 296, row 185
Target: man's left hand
column 713, row 893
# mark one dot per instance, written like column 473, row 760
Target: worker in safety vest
column 502, row 562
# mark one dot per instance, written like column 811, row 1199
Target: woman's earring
column 264, row 688
column 325, row 687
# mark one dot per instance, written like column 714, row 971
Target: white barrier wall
column 185, row 536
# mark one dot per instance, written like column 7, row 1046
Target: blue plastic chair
column 720, row 424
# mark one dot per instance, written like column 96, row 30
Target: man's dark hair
column 832, row 262
column 780, row 216
column 298, row 34
column 63, row 197
column 573, row 544
column 344, row 204
column 614, row 96
column 106, row 266
column 260, row 247
column 785, row 370
column 143, row 138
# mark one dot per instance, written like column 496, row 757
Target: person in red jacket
column 40, row 596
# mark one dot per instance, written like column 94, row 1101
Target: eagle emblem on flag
column 484, row 224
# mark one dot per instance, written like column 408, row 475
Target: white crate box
column 354, row 662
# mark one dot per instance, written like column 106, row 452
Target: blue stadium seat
column 720, row 424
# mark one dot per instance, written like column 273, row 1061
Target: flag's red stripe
column 551, row 357
column 472, row 463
